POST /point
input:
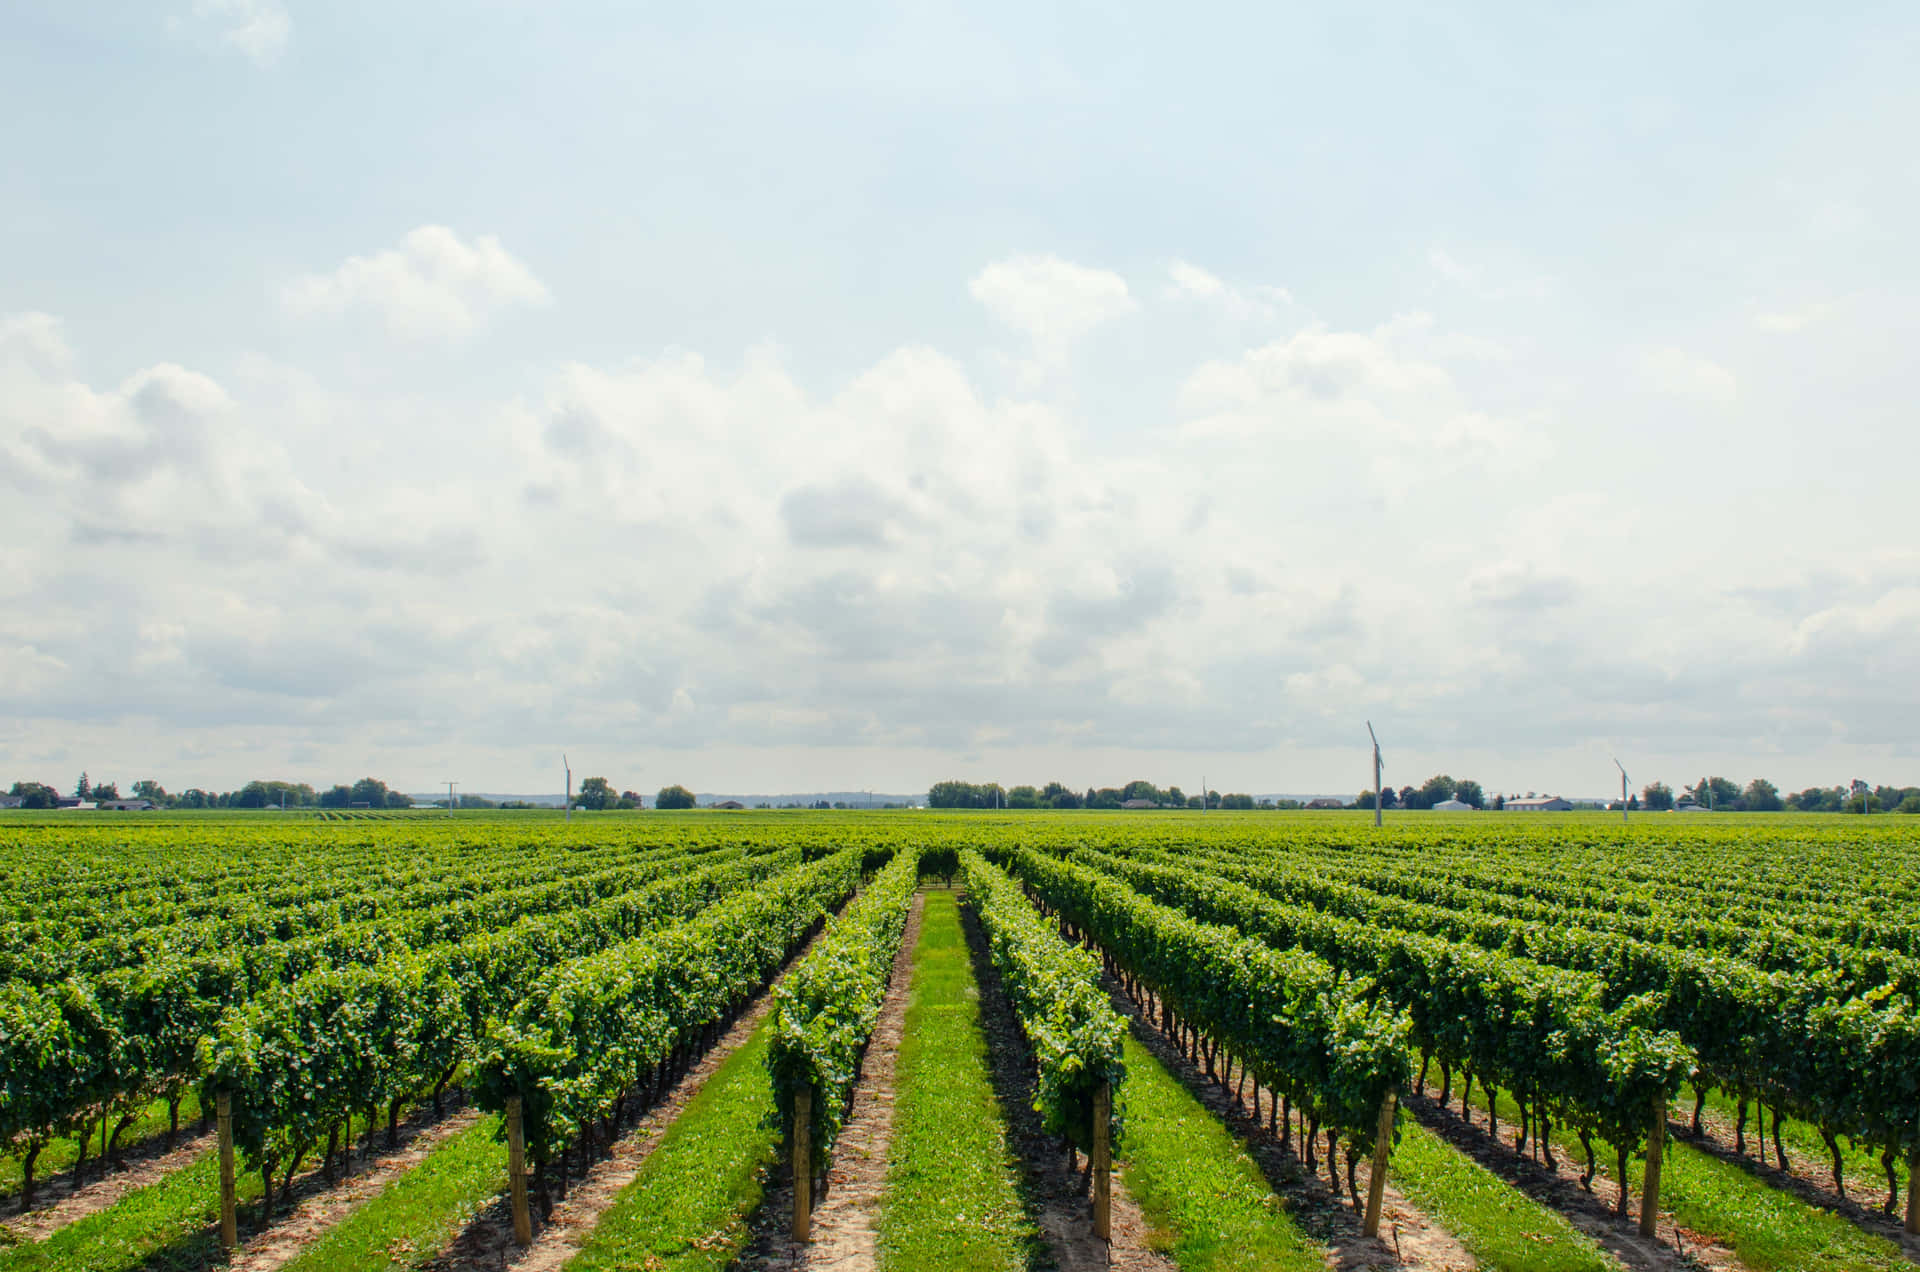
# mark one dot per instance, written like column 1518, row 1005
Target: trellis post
column 1650, row 1189
column 803, row 1164
column 517, row 1172
column 1102, row 1163
column 229, row 1221
column 1382, row 1149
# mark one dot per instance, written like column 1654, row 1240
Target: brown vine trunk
column 80, row 1162
column 1833, row 1148
column 1740, row 1126
column 1333, row 1160
column 173, row 1121
column 1699, row 1104
column 1621, row 1206
column 26, row 1174
column 1593, row 1164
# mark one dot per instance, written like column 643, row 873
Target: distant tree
column 83, row 789
column 1408, row 797
column 1761, row 796
column 1468, row 791
column 1657, row 797
column 1023, row 797
column 37, row 795
column 1909, row 804
column 638, row 800
column 1105, row 797
column 106, row 790
column 1365, row 799
column 194, row 797
column 673, row 797
column 1718, row 793
column 1500, row 802
column 1862, row 802
column 147, row 788
column 1389, row 798
column 370, row 791
column 1058, row 795
column 1175, row 797
column 1633, row 803
column 1434, row 790
column 1243, row 802
column 336, row 797
column 597, row 794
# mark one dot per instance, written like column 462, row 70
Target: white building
column 1544, row 804
column 1452, row 806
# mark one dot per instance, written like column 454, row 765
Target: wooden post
column 517, row 1173
column 1102, row 1164
column 1913, row 1192
column 1382, row 1149
column 229, row 1221
column 1650, row 1188
column 803, row 1164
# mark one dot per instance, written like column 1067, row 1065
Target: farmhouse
column 1544, row 804
column 11, row 801
column 1138, row 803
column 1326, row 802
column 126, row 805
column 1454, row 806
column 727, row 803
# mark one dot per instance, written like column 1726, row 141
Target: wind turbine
column 451, row 806
column 569, row 768
column 1623, row 792
column 1378, row 799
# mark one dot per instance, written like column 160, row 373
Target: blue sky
column 770, row 399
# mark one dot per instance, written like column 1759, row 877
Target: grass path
column 171, row 1224
column 689, row 1204
column 952, row 1198
column 1766, row 1228
column 1500, row 1226
column 144, row 1136
column 418, row 1213
column 1209, row 1203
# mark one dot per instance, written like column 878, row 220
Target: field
column 1685, row 1042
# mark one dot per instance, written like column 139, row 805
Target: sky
column 777, row 399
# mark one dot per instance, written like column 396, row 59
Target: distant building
column 728, row 803
column 1138, row 803
column 1455, row 806
column 1544, row 804
column 126, row 805
column 12, row 801
column 1326, row 802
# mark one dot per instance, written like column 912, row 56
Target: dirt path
column 486, row 1243
column 56, row 1207
column 1810, row 1178
column 845, row 1235
column 1672, row 1249
column 1409, row 1239
column 318, row 1211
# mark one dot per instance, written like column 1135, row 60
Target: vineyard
column 973, row 1040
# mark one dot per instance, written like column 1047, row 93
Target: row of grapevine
column 1835, row 1051
column 825, row 1010
column 591, row 1030
column 1545, row 1033
column 1330, row 1044
column 1055, row 990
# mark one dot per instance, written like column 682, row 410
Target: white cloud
column 1189, row 282
column 1786, row 321
column 259, row 29
column 434, row 286
column 1680, row 373
column 1051, row 301
column 1473, row 279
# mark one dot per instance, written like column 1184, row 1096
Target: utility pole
column 1379, row 796
column 451, row 802
column 1623, row 792
column 569, row 768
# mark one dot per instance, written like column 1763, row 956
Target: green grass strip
column 1500, row 1226
column 1866, row 1177
column 689, row 1206
column 60, row 1152
column 1771, row 1230
column 952, row 1199
column 414, row 1217
column 1209, row 1205
column 170, row 1224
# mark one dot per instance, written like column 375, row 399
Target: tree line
column 368, row 792
column 958, row 794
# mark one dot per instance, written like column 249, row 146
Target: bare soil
column 1409, row 1238
column 56, row 1204
column 846, row 1215
column 486, row 1243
